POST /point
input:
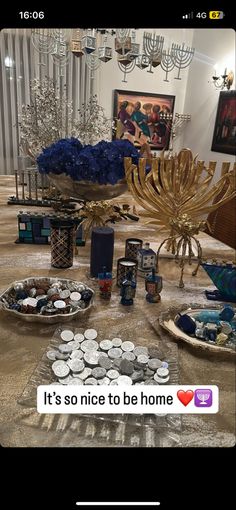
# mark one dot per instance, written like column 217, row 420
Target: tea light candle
column 125, row 266
column 132, row 246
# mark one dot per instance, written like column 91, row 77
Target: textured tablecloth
column 23, row 344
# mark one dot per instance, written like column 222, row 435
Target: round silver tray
column 44, row 318
column 168, row 321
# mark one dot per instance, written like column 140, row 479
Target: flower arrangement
column 91, row 123
column 50, row 116
column 102, row 163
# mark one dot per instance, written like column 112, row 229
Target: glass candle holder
column 132, row 245
column 124, row 267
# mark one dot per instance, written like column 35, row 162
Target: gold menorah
column 175, row 194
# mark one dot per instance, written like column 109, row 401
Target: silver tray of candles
column 47, row 300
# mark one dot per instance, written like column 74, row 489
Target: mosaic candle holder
column 132, row 245
column 35, row 227
column 124, row 267
column 62, row 244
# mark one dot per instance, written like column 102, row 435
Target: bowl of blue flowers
column 87, row 172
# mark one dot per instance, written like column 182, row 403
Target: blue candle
column 102, row 248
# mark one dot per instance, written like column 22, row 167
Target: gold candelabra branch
column 175, row 194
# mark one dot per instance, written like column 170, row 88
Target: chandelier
column 93, row 46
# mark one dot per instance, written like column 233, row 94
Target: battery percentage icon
column 216, row 14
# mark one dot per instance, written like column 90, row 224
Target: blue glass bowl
column 224, row 277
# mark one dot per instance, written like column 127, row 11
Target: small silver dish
column 60, row 317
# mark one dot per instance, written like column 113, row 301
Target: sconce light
column 223, row 81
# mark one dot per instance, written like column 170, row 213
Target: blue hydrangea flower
column 102, row 163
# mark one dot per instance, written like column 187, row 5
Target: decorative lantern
column 134, row 52
column 123, row 47
column 76, row 49
column 142, row 61
column 104, row 51
column 125, row 60
column 88, row 43
column 146, row 258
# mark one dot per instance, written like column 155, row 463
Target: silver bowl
column 86, row 190
column 44, row 318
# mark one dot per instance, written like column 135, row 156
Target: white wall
column 194, row 94
column 109, row 77
column 214, row 49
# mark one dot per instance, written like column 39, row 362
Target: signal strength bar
column 189, row 15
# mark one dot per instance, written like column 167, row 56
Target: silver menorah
column 31, row 187
column 152, row 47
column 182, row 57
column 42, row 39
column 126, row 67
column 167, row 62
column 93, row 63
column 177, row 126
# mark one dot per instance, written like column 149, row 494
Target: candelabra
column 223, row 81
column 126, row 66
column 93, row 63
column 93, row 44
column 177, row 126
column 53, row 42
column 182, row 57
column 167, row 62
column 152, row 47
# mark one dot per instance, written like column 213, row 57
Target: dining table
column 23, row 344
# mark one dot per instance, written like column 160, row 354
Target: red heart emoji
column 185, row 396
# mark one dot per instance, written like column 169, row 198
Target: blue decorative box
column 35, row 228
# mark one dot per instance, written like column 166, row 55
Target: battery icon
column 216, row 14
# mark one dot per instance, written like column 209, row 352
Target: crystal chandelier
column 92, row 44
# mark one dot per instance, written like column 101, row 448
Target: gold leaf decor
column 176, row 194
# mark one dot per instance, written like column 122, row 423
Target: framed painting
column 143, row 117
column 224, row 137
